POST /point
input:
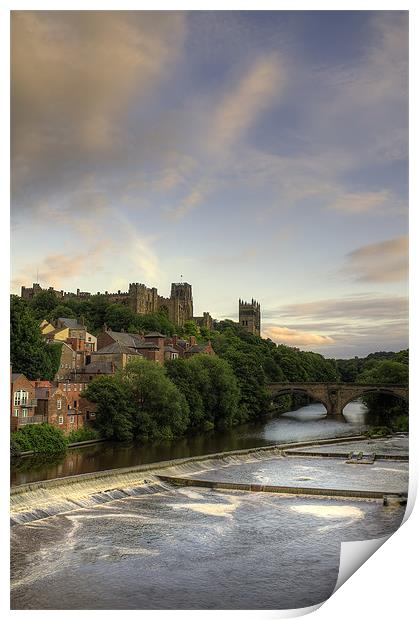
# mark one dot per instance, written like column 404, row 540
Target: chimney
column 174, row 338
column 192, row 341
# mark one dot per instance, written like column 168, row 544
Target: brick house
column 23, row 403
column 55, row 406
column 198, row 349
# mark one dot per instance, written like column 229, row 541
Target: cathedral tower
column 249, row 316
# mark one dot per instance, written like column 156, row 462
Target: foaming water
column 131, row 541
column 212, row 550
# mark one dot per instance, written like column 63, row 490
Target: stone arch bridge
column 335, row 396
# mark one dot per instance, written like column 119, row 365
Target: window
column 71, row 419
column 75, row 404
column 20, row 397
column 16, row 412
column 24, row 413
column 59, row 403
column 92, row 414
column 61, row 420
column 65, row 387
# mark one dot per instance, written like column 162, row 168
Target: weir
column 51, row 497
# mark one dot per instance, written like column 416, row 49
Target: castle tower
column 142, row 300
column 181, row 303
column 249, row 316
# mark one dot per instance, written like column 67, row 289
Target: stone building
column 116, row 353
column 249, row 316
column 141, row 299
column 205, row 321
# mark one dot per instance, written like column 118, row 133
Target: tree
column 115, row 407
column 61, row 311
column 160, row 409
column 44, row 303
column 219, row 389
column 190, row 329
column 29, row 353
column 386, row 371
column 189, row 379
column 387, row 409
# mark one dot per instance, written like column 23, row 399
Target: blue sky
column 259, row 154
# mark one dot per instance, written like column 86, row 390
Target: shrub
column 83, row 434
column 42, row 438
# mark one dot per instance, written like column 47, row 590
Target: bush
column 41, row 438
column 83, row 434
column 14, row 448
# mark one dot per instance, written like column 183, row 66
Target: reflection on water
column 303, row 424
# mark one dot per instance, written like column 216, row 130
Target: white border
column 385, row 586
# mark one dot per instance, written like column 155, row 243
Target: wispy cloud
column 56, row 268
column 239, row 109
column 387, row 261
column 295, row 337
column 361, row 202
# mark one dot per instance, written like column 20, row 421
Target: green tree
column 29, row 353
column 190, row 378
column 219, row 389
column 160, row 409
column 44, row 303
column 191, row 329
column 61, row 311
column 115, row 407
column 386, row 409
column 386, row 371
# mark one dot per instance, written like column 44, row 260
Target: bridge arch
column 301, row 390
column 368, row 390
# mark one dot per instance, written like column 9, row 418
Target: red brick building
column 23, row 402
column 58, row 409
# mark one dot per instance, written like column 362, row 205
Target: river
column 306, row 423
column 171, row 547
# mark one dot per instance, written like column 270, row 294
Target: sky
column 257, row 154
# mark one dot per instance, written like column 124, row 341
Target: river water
column 196, row 548
column 306, row 423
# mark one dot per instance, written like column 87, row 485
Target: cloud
column 294, row 337
column 73, row 75
column 362, row 202
column 356, row 324
column 240, row 108
column 188, row 203
column 365, row 306
column 56, row 268
column 387, row 261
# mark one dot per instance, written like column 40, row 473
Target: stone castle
column 144, row 300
